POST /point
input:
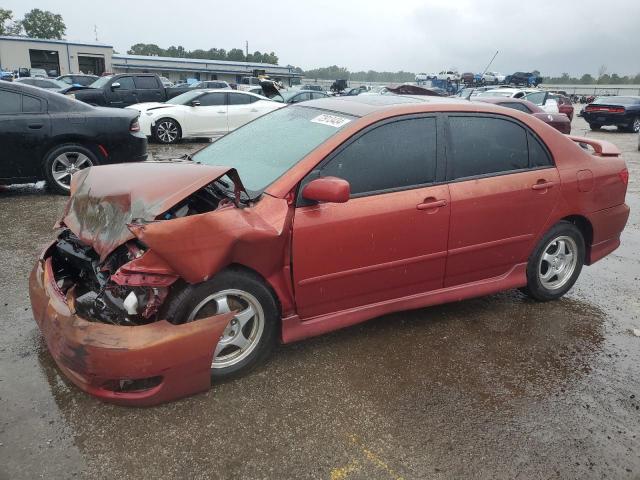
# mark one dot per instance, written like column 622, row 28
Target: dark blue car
column 623, row 112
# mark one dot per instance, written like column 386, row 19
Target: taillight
column 135, row 126
column 624, row 176
column 594, row 108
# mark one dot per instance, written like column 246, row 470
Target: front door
column 24, row 130
column 503, row 189
column 390, row 239
column 125, row 94
column 210, row 117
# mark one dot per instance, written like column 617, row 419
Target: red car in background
column 564, row 104
column 559, row 121
column 164, row 276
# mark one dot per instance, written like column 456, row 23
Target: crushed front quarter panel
column 95, row 355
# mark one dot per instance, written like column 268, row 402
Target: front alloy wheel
column 61, row 163
column 242, row 334
column 167, row 131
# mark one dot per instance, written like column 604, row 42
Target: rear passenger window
column 485, row 145
column 148, row 83
column 239, row 99
column 396, row 155
column 538, row 156
column 31, row 104
column 9, row 102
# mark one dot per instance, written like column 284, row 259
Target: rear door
column 24, row 130
column 390, row 239
column 503, row 188
column 241, row 109
column 149, row 89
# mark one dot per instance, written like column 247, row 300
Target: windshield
column 101, row 82
column 263, row 150
column 184, row 98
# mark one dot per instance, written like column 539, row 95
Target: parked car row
column 528, row 79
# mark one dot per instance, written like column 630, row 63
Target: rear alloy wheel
column 249, row 337
column 634, row 127
column 62, row 162
column 556, row 263
column 167, row 131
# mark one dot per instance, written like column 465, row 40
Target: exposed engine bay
column 77, row 267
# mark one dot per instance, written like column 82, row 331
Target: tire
column 167, row 130
column 562, row 246
column 62, row 162
column 594, row 126
column 634, row 127
column 231, row 289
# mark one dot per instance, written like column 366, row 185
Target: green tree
column 43, row 24
column 146, row 49
column 235, row 54
column 587, row 79
column 7, row 25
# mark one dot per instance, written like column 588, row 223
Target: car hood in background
column 105, row 200
column 145, row 107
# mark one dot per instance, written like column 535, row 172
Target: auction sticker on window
column 331, row 120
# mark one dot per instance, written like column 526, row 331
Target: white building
column 59, row 57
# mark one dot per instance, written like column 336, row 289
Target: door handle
column 221, row 111
column 542, row 185
column 35, row 126
column 431, row 203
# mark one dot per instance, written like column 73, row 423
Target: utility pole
column 492, row 59
column 246, row 49
column 95, row 31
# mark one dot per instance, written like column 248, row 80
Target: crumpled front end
column 137, row 365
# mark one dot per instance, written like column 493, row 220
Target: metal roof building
column 182, row 68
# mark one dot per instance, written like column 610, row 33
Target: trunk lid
column 105, row 200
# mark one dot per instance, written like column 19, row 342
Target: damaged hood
column 105, row 200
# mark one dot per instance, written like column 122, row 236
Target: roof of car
column 360, row 106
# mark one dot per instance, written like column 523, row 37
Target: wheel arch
column 86, row 142
column 586, row 229
column 238, row 267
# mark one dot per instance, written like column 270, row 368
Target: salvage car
column 559, row 121
column 165, row 276
column 297, row 96
column 48, row 136
column 623, row 112
column 201, row 113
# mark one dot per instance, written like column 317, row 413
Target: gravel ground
column 495, row 387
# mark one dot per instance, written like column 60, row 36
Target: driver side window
column 126, row 83
column 397, row 155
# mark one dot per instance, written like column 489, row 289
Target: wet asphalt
column 495, row 387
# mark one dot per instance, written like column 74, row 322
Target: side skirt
column 294, row 329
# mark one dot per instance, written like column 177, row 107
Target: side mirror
column 327, row 189
column 115, row 85
column 195, row 103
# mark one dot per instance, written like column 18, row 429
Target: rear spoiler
column 602, row 147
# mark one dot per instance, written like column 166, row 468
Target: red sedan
column 315, row 217
column 560, row 121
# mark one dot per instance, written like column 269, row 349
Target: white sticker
column 331, row 120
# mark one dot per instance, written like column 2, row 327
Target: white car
column 539, row 97
column 201, row 113
column 449, row 75
column 493, row 77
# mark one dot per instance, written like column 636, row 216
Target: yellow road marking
column 341, row 473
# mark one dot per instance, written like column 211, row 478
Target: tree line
column 334, row 72
column 588, row 79
column 235, row 54
column 35, row 24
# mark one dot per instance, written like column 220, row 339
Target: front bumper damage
column 134, row 365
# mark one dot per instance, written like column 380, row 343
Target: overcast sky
column 419, row 36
